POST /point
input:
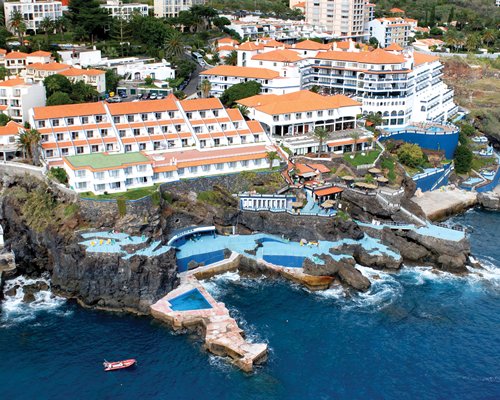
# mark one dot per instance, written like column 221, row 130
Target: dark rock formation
column 377, row 260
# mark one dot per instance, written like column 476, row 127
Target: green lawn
column 359, row 159
column 132, row 194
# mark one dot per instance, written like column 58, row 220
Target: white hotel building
column 33, row 11
column 17, row 97
column 172, row 8
column 148, row 142
column 119, row 9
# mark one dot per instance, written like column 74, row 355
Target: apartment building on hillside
column 392, row 30
column 172, row 8
column 17, row 97
column 33, row 11
column 119, row 9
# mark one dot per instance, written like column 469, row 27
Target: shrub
column 463, row 159
column 59, row 174
column 155, row 198
column 209, row 196
column 168, row 197
column 122, row 206
column 71, row 210
column 411, row 155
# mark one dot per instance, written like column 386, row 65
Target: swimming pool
column 192, row 300
column 206, row 258
column 285, row 261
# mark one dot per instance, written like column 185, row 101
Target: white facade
column 118, row 9
column 392, row 30
column 172, row 8
column 33, row 11
column 17, row 97
column 344, row 18
column 85, row 58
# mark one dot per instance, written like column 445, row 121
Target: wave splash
column 14, row 310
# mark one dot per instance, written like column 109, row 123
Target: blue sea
column 415, row 335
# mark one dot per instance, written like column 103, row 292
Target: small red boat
column 112, row 366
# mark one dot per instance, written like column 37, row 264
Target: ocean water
column 415, row 335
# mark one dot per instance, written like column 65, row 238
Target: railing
column 305, row 214
column 459, row 228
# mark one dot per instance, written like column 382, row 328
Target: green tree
column 489, row 37
column 271, row 156
column 467, row 129
column 174, row 45
column 451, row 15
column 28, row 142
column 321, row 134
column 57, row 83
column 410, row 155
column 242, row 109
column 231, row 58
column 59, row 174
column 240, row 91
column 4, row 119
column 82, row 92
column 3, row 72
column 59, row 98
column 89, row 17
column 46, row 26
column 17, row 25
column 148, row 80
column 375, row 119
column 112, row 80
column 205, row 87
column 355, row 138
column 463, row 159
column 472, row 42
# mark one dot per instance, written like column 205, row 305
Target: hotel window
column 219, row 166
column 100, row 187
column 81, row 173
column 189, row 115
column 158, row 115
column 70, row 121
column 59, row 136
column 116, row 120
column 79, row 150
column 74, row 135
column 180, row 171
column 309, row 115
column 243, row 139
column 49, row 153
column 216, row 142
column 168, row 174
column 170, row 143
column 244, row 163
column 184, row 142
column 197, row 129
column 229, row 140
column 136, row 131
column 276, row 118
column 141, row 168
column 193, row 170
column 55, row 122
column 156, row 145
column 232, row 164
column 121, row 132
column 203, row 143
column 255, row 138
column 90, row 134
column 320, row 113
column 236, row 125
column 104, row 132
column 298, row 115
column 98, row 118
column 330, row 112
column 41, row 124
column 205, row 168
column 171, row 114
column 64, row 151
column 114, row 173
column 216, row 113
column 109, row 147
column 144, row 117
column 223, row 126
column 130, row 118
column 128, row 147
column 44, row 138
column 95, row 148
column 129, row 181
column 127, row 170
column 85, row 120
column 142, row 146
column 81, row 185
column 202, row 114
column 151, row 131
column 178, row 128
column 257, row 162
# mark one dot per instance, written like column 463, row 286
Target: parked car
column 146, row 96
column 115, row 99
column 123, row 95
column 153, row 96
column 160, row 96
column 139, row 96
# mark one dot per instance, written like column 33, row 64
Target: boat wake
column 15, row 310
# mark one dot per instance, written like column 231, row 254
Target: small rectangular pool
column 285, row 261
column 192, row 300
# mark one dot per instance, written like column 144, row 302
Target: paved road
column 192, row 86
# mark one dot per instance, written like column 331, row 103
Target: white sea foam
column 15, row 310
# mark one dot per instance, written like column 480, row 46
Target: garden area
column 131, row 194
column 362, row 158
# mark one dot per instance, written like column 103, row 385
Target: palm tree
column 243, row 110
column 23, row 144
column 374, row 119
column 472, row 42
column 47, row 25
column 28, row 141
column 205, row 87
column 174, row 45
column 489, row 37
column 271, row 157
column 17, row 25
column 355, row 138
column 231, row 58
column 321, row 134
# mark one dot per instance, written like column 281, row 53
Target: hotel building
column 17, row 97
column 172, row 8
column 118, row 9
column 114, row 147
column 8, row 139
column 33, row 11
column 392, row 30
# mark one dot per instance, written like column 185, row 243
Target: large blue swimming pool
column 285, row 261
column 192, row 300
column 206, row 258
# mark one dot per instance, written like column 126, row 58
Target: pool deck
column 222, row 335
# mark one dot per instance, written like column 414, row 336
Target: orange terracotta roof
column 145, row 106
column 394, row 47
column 250, row 46
column 303, row 169
column 201, row 104
column 396, row 10
column 234, row 114
column 165, row 168
column 69, row 110
column 311, row 45
column 421, row 58
column 3, row 51
column 227, row 40
column 301, row 101
column 320, row 167
column 302, row 4
column 272, row 43
column 81, row 72
column 40, row 53
column 12, row 128
column 377, row 56
column 255, row 127
column 16, row 54
column 345, row 44
column 327, row 191
column 12, row 82
column 284, row 55
column 225, row 48
column 242, row 72
column 49, row 66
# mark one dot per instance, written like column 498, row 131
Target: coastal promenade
column 439, row 204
